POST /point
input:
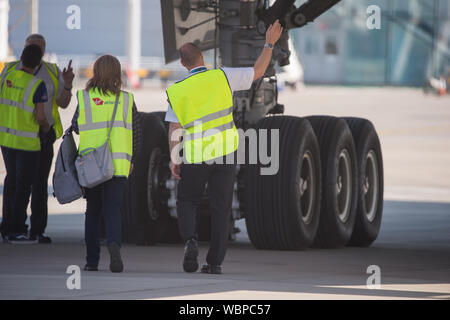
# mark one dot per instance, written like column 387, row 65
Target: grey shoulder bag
column 65, row 180
column 95, row 165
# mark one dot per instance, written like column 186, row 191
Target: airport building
column 411, row 44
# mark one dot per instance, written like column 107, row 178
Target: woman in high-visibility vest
column 93, row 120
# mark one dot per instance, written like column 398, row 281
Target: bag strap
column 113, row 116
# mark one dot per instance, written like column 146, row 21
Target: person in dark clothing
column 22, row 122
column 96, row 103
column 59, row 85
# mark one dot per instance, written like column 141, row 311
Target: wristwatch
column 268, row 45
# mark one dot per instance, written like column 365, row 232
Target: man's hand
column 274, row 33
column 175, row 168
column 68, row 75
column 272, row 36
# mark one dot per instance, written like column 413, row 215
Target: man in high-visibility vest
column 202, row 105
column 22, row 122
column 59, row 86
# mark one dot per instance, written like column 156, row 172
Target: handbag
column 66, row 187
column 95, row 165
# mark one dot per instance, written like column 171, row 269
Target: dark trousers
column 220, row 179
column 39, row 192
column 21, row 169
column 103, row 200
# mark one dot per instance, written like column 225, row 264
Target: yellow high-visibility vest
column 203, row 103
column 52, row 70
column 19, row 128
column 94, row 120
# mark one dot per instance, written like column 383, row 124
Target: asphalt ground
column 412, row 250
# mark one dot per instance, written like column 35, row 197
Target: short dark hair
column 31, row 56
column 190, row 54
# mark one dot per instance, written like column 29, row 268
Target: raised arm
column 66, row 94
column 272, row 36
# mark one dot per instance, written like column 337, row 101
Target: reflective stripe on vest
column 19, row 105
column 12, row 65
column 121, row 156
column 19, row 133
column 18, row 126
column 203, row 103
column 57, row 125
column 94, row 121
column 209, row 132
column 211, row 116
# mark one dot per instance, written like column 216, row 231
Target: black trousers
column 220, row 179
column 39, row 192
column 20, row 171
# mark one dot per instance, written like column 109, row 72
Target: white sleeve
column 239, row 78
column 171, row 116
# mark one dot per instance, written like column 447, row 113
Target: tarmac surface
column 412, row 250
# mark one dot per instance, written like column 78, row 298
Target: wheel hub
column 307, row 186
column 156, row 190
column 366, row 185
column 344, row 185
column 370, row 185
column 303, row 186
column 339, row 184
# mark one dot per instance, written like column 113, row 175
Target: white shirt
column 42, row 73
column 238, row 78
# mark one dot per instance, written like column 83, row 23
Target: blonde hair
column 107, row 76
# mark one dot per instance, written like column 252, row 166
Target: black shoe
column 21, row 239
column 208, row 268
column 116, row 264
column 190, row 263
column 90, row 268
column 41, row 238
column 5, row 238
